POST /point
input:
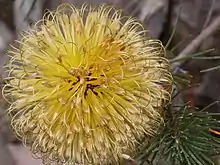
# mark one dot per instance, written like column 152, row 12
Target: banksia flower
column 86, row 85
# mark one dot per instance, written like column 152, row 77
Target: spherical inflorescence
column 85, row 85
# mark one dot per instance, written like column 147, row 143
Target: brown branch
column 196, row 42
column 209, row 14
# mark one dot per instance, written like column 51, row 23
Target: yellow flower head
column 85, row 85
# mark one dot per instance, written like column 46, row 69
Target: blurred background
column 187, row 18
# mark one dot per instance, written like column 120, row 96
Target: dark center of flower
column 89, row 86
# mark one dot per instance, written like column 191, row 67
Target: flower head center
column 86, row 80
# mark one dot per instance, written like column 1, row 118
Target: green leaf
column 205, row 157
column 186, row 155
column 210, row 69
column 194, row 155
column 184, row 139
column 194, row 56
